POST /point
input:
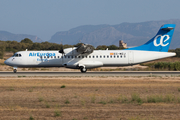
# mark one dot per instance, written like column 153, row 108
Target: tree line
column 14, row 46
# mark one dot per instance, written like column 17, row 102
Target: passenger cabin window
column 96, row 56
column 93, row 56
column 51, row 56
column 111, row 56
column 54, row 56
column 107, row 56
column 100, row 56
column 104, row 56
column 89, row 56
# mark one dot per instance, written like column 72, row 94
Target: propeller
column 62, row 50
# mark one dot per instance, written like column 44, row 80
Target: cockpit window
column 17, row 55
column 14, row 55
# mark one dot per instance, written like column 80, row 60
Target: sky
column 43, row 18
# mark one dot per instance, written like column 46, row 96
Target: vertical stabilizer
column 160, row 42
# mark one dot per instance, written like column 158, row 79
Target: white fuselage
column 97, row 58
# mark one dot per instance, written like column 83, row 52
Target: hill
column 133, row 34
column 5, row 36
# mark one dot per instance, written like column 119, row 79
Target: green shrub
column 122, row 99
column 171, row 66
column 31, row 118
column 57, row 113
column 177, row 66
column 67, row 102
column 179, row 89
column 102, row 102
column 151, row 99
column 136, row 98
column 111, row 101
column 167, row 66
column 11, row 89
column 30, row 90
column 155, row 99
column 47, row 105
column 169, row 98
column 93, row 99
column 63, row 86
column 40, row 99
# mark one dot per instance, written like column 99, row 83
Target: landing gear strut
column 83, row 69
column 14, row 69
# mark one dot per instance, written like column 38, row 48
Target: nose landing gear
column 14, row 69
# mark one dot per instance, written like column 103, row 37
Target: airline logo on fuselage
column 42, row 54
column 162, row 40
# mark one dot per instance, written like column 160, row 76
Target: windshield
column 17, row 55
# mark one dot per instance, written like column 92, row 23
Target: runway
column 92, row 74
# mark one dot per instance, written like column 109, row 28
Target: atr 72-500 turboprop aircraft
column 84, row 57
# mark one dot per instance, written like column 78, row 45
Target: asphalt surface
column 94, row 73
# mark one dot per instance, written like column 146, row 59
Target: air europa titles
column 42, row 54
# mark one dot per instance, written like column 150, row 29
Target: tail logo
column 162, row 41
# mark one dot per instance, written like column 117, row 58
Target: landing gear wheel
column 83, row 69
column 15, row 70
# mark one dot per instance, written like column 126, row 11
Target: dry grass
column 89, row 98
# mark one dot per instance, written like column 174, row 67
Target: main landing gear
column 83, row 69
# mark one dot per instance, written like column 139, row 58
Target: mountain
column 134, row 34
column 5, row 36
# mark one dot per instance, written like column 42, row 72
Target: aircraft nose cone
column 6, row 62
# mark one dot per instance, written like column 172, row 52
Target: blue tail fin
column 160, row 42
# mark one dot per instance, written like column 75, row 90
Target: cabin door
column 131, row 57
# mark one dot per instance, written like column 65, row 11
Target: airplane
column 85, row 57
